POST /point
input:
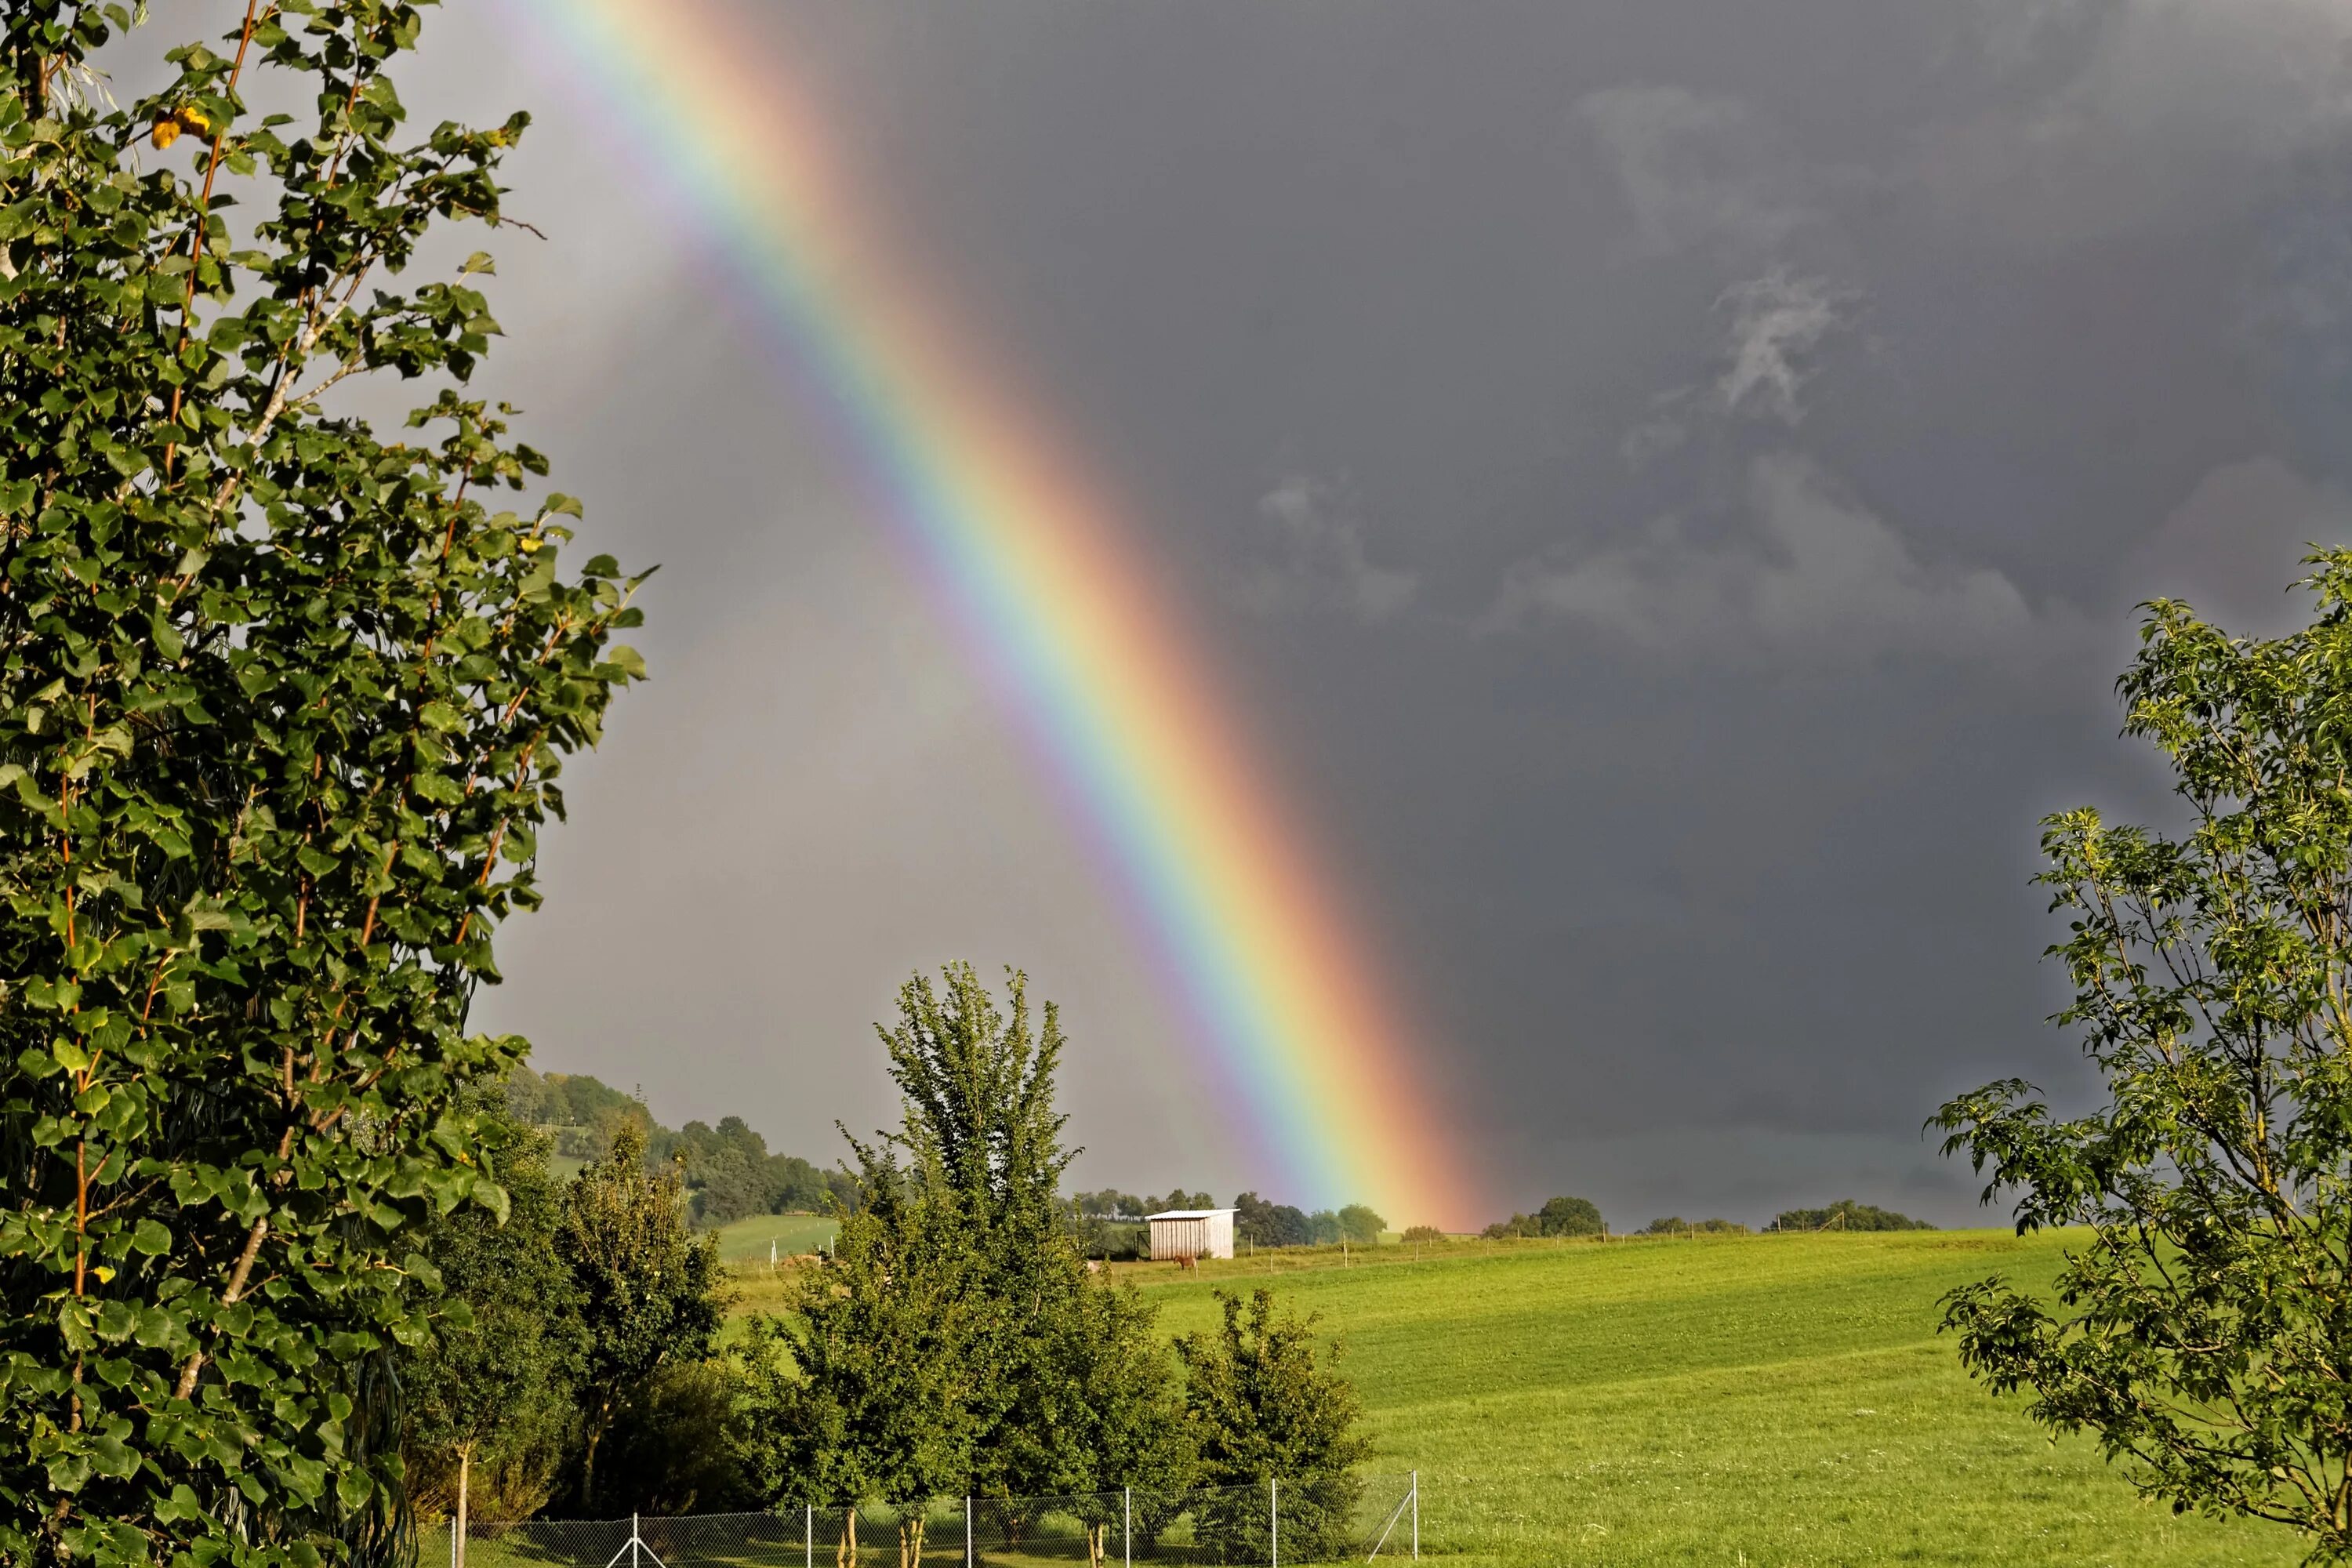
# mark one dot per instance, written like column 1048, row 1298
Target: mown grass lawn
column 1744, row 1400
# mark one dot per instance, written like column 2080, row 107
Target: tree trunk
column 588, row 1458
column 911, row 1543
column 464, row 1476
column 844, row 1554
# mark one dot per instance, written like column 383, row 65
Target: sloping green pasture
column 746, row 1240
column 1769, row 1399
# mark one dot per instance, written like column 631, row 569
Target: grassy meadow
column 746, row 1241
column 1769, row 1399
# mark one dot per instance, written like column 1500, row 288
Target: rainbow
column 1029, row 554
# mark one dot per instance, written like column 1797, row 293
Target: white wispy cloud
column 1694, row 170
column 1780, row 322
column 1319, row 560
column 1804, row 571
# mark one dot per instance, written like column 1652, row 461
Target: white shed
column 1191, row 1233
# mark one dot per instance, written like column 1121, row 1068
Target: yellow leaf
column 166, row 131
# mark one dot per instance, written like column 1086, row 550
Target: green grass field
column 1746, row 1400
column 746, row 1240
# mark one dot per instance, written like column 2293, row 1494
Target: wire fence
column 1334, row 1520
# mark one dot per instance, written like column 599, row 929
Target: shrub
column 1262, row 1405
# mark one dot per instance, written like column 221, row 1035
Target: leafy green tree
column 1674, row 1224
column 865, row 1389
column 1261, row 1407
column 1570, row 1216
column 1560, row 1217
column 492, row 1407
column 1361, row 1225
column 648, row 1289
column 954, row 1343
column 1265, row 1224
column 2203, row 1327
column 1114, row 1409
column 281, row 707
column 981, row 1135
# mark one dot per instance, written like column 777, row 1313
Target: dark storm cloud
column 1674, row 477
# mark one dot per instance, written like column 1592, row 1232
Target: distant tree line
column 1566, row 1216
column 728, row 1171
column 1109, row 1222
column 1847, row 1214
column 1264, row 1223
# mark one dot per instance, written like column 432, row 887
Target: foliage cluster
column 955, row 1343
column 1674, row 1224
column 2203, row 1329
column 1559, row 1217
column 492, row 1394
column 282, row 706
column 577, row 1341
column 1263, row 1405
column 1264, row 1223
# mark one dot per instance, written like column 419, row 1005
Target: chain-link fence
column 1345, row 1519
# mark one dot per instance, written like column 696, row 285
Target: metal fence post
column 1416, row 1516
column 808, row 1534
column 967, row 1530
column 633, row 1541
column 1274, row 1521
column 1127, row 1526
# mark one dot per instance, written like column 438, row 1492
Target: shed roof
column 1189, row 1213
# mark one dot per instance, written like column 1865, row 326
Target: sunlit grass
column 747, row 1240
column 1764, row 1399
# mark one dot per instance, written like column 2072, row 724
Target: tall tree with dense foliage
column 954, row 1343
column 2202, row 1328
column 866, row 1388
column 492, row 1394
column 281, row 710
column 648, row 1288
column 1263, row 1406
column 981, row 1136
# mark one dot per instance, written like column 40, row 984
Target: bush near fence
column 1375, row 1516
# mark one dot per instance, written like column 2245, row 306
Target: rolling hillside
column 1741, row 1400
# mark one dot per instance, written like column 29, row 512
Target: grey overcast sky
column 1674, row 475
